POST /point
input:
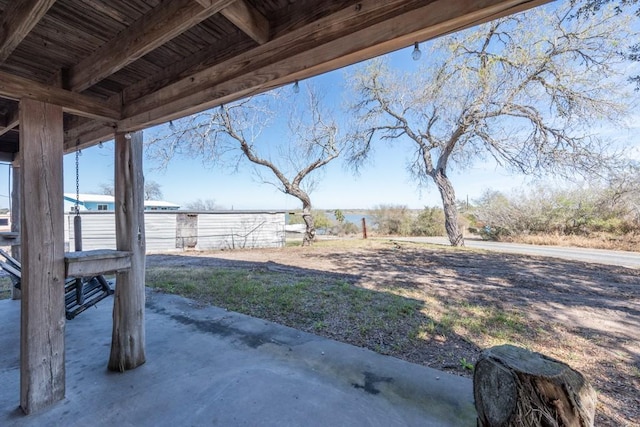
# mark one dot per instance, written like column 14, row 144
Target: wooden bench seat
column 96, row 262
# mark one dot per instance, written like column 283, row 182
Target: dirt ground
column 586, row 315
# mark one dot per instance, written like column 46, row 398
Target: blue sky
column 383, row 181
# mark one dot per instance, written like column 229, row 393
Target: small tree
column 429, row 222
column 152, row 190
column 203, row 205
column 392, row 219
column 523, row 91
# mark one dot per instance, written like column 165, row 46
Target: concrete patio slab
column 210, row 367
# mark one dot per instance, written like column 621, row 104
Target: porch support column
column 42, row 321
column 16, row 179
column 128, row 338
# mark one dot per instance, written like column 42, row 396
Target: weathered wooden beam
column 247, row 19
column 128, row 338
column 11, row 121
column 165, row 22
column 17, row 21
column 42, row 317
column 350, row 35
column 83, row 133
column 17, row 88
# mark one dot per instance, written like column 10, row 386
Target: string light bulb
column 127, row 135
column 100, row 145
column 296, row 87
column 416, row 54
column 172, row 127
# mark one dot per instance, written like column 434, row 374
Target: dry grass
column 627, row 242
column 435, row 306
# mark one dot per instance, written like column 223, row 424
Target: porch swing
column 85, row 284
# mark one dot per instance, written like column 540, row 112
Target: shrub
column 392, row 220
column 429, row 222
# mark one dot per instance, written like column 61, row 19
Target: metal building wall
column 215, row 230
column 241, row 230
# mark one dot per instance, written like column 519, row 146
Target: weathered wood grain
column 154, row 29
column 15, row 87
column 515, row 387
column 248, row 19
column 42, row 321
column 17, row 21
column 128, row 338
column 96, row 262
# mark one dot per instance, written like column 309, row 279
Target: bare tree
column 236, row 132
column 522, row 90
column 107, row 188
column 203, row 205
column 152, row 190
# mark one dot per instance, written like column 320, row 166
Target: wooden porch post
column 16, row 179
column 128, row 338
column 42, row 321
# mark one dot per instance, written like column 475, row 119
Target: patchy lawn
column 434, row 306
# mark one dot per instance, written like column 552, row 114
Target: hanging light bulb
column 296, row 87
column 100, row 145
column 416, row 54
column 172, row 127
column 127, row 135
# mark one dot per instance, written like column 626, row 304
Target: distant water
column 357, row 219
column 353, row 218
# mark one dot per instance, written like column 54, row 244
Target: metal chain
column 77, row 177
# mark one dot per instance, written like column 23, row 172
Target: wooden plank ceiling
column 129, row 64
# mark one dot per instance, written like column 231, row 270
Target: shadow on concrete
column 209, row 366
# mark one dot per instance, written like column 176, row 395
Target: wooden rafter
column 248, row 19
column 152, row 30
column 17, row 21
column 82, row 133
column 14, row 87
column 342, row 38
column 11, row 121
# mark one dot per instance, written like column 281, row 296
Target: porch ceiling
column 129, row 64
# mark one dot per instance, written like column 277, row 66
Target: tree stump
column 516, row 387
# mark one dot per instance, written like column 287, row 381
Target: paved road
column 622, row 258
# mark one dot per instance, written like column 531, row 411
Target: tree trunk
column 448, row 196
column 516, row 387
column 310, row 231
